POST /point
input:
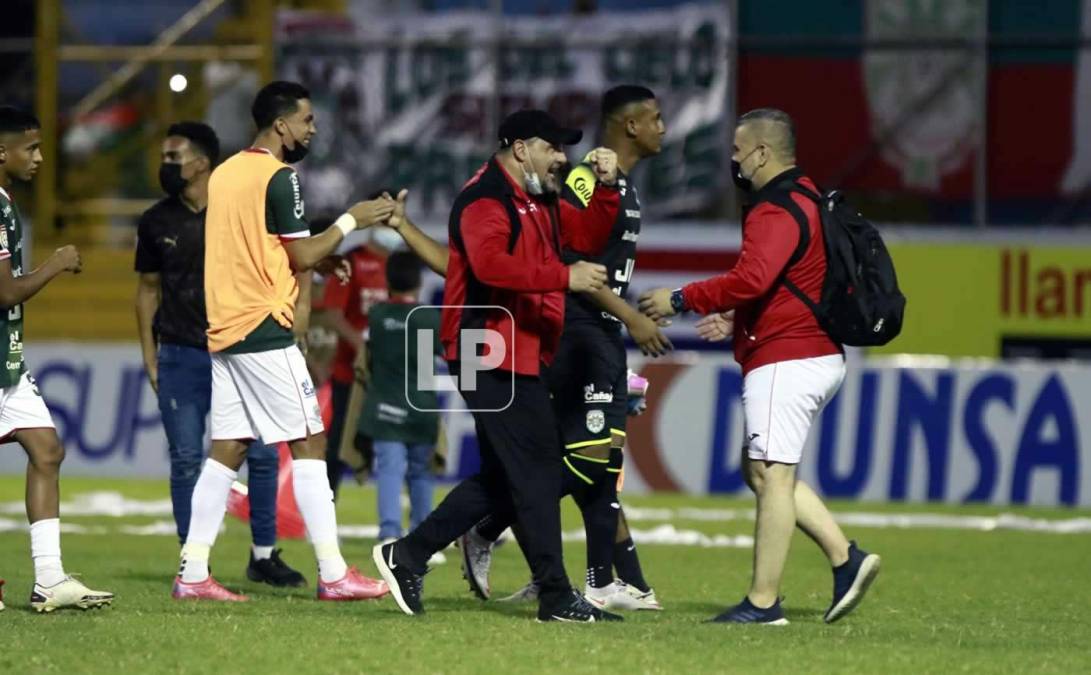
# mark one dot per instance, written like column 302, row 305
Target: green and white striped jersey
column 11, row 318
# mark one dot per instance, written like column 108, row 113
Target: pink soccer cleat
column 209, row 589
column 352, row 586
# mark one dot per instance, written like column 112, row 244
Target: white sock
column 45, row 548
column 209, row 504
column 262, row 552
column 315, row 500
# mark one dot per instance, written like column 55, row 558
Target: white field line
column 115, row 505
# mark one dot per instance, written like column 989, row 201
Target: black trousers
column 520, row 472
column 592, row 484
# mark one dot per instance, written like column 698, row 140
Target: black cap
column 527, row 124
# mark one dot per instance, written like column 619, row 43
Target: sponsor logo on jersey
column 393, row 324
column 307, row 388
column 630, row 235
column 596, row 421
column 297, row 196
column 632, row 213
column 582, row 187
column 592, row 396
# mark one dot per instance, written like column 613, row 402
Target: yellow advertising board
column 977, row 299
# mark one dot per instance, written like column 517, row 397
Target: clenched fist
column 69, row 259
column 604, row 163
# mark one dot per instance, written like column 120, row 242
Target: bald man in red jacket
column 791, row 368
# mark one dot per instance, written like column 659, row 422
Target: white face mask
column 531, row 181
column 387, row 238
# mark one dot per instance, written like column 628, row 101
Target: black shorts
column 589, row 385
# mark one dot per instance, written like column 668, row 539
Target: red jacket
column 523, row 273
column 771, row 324
column 366, row 287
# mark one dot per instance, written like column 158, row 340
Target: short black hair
column 403, row 272
column 202, row 137
column 782, row 129
column 275, row 100
column 622, row 95
column 16, row 120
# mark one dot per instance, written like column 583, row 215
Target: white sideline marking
column 938, row 521
column 115, row 505
column 104, row 503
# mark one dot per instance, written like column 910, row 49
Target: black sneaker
column 851, row 581
column 405, row 585
column 746, row 612
column 574, row 608
column 273, row 571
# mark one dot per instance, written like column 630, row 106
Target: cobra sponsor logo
column 583, row 188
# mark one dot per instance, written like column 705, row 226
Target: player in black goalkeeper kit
column 589, row 377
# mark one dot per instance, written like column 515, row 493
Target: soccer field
column 948, row 600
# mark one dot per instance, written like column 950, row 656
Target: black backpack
column 861, row 304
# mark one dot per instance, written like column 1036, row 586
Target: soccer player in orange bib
column 258, row 252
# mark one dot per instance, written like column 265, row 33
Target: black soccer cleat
column 273, row 571
column 405, row 585
column 851, row 581
column 573, row 608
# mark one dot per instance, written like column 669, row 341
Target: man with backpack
column 791, row 361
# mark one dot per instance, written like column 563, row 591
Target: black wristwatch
column 678, row 301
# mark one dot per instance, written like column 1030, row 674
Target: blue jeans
column 185, row 396
column 396, row 462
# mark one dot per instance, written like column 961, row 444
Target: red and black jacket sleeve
column 769, row 239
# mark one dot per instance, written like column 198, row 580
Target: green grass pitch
column 947, row 601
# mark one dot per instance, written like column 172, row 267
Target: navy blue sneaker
column 851, row 581
column 746, row 612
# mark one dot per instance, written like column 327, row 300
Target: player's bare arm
column 147, row 302
column 645, row 332
column 18, row 289
column 302, row 316
column 433, row 253
column 307, row 252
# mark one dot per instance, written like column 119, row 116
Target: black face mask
column 744, row 184
column 170, row 179
column 296, row 154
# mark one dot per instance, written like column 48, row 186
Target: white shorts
column 22, row 407
column 782, row 400
column 267, row 395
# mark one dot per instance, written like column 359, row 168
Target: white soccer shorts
column 781, row 402
column 22, row 407
column 267, row 395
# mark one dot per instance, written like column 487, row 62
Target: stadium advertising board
column 899, row 430
column 406, row 99
column 994, row 299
